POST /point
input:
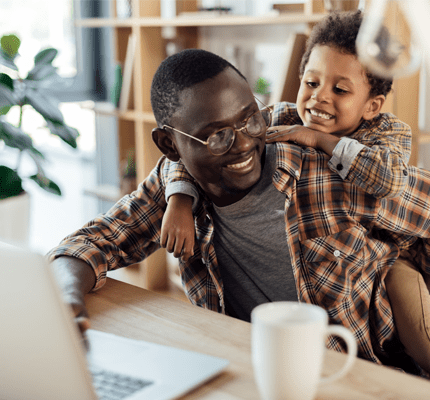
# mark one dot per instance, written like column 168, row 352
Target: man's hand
column 177, row 231
column 75, row 279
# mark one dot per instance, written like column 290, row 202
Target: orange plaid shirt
column 341, row 241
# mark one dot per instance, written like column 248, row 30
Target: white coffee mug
column 288, row 345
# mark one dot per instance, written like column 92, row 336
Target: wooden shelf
column 223, row 20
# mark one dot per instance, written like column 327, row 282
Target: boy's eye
column 339, row 90
column 312, row 84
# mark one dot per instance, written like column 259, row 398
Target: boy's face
column 334, row 92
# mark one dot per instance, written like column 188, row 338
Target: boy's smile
column 334, row 92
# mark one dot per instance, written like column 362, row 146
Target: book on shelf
column 124, row 98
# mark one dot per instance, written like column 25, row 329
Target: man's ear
column 164, row 142
column 373, row 107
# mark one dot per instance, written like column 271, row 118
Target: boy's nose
column 320, row 95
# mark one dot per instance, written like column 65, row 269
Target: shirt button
column 297, row 173
column 336, row 253
column 339, row 167
column 405, row 172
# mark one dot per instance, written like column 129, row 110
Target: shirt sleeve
column 285, row 113
column 375, row 157
column 125, row 235
column 180, row 181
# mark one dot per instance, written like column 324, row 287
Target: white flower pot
column 15, row 219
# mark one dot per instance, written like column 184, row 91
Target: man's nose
column 243, row 142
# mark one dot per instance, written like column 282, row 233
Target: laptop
column 42, row 356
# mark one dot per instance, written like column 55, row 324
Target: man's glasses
column 221, row 141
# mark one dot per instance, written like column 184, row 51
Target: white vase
column 15, row 219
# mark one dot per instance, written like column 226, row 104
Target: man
column 272, row 222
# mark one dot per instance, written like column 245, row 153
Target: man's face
column 223, row 101
column 334, row 92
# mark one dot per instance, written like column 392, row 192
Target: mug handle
column 351, row 344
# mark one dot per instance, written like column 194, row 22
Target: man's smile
column 241, row 165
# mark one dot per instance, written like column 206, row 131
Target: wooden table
column 136, row 313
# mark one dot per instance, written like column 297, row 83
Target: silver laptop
column 42, row 357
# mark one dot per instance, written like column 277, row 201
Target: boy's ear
column 164, row 142
column 373, row 107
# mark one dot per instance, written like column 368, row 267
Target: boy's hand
column 292, row 133
column 299, row 134
column 177, row 230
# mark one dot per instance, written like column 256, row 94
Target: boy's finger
column 170, row 245
column 178, row 248
column 163, row 239
column 188, row 250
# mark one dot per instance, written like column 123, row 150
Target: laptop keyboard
column 113, row 386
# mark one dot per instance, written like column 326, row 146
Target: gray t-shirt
column 250, row 245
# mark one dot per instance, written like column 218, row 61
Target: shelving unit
column 135, row 124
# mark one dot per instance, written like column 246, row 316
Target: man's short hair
column 178, row 72
column 340, row 30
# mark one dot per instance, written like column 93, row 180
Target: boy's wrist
column 326, row 142
column 180, row 198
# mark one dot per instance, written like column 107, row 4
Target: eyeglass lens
column 221, row 141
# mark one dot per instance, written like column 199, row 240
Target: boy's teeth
column 240, row 165
column 320, row 114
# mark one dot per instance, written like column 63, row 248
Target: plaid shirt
column 379, row 168
column 340, row 239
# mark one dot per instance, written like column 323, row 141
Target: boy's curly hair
column 340, row 30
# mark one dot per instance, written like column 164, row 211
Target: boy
column 338, row 111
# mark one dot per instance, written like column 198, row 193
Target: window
column 50, row 23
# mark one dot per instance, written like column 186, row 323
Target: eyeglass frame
column 206, row 143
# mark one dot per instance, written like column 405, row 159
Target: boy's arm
column 177, row 232
column 180, row 181
column 375, row 157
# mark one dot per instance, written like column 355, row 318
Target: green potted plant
column 262, row 90
column 25, row 92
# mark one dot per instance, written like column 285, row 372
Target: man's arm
column 75, row 279
column 128, row 233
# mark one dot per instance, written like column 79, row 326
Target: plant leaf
column 10, row 45
column 7, row 96
column 10, row 183
column 45, row 56
column 7, row 61
column 66, row 133
column 46, row 184
column 7, row 81
column 41, row 72
column 14, row 137
column 44, row 105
